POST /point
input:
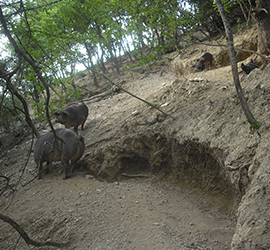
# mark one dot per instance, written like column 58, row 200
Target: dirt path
column 137, row 213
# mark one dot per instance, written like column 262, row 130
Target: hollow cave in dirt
column 190, row 164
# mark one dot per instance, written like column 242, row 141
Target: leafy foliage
column 57, row 35
column 10, row 116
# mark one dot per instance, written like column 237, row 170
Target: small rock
column 89, row 176
column 164, row 105
column 135, row 112
column 196, row 79
column 223, row 87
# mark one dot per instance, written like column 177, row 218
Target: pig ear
column 63, row 113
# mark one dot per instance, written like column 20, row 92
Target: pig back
column 48, row 148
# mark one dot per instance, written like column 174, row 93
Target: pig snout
column 68, row 148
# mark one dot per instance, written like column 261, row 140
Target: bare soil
column 147, row 181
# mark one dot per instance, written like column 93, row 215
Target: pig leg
column 83, row 125
column 207, row 65
column 47, row 168
column 66, row 167
column 39, row 170
column 72, row 165
column 76, row 129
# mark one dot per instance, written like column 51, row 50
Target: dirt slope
column 199, row 180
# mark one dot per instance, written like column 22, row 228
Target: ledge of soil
column 206, row 146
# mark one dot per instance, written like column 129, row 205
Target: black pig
column 249, row 67
column 204, row 61
column 48, row 149
column 72, row 115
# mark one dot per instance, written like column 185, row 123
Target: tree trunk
column 253, row 122
column 127, row 50
column 262, row 17
column 101, row 60
column 91, row 62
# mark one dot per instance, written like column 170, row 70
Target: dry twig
column 26, row 238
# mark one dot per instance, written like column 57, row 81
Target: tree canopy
column 48, row 38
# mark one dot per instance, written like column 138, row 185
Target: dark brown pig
column 72, row 115
column 48, row 149
column 204, row 62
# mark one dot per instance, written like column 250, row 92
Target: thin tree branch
column 27, row 9
column 26, row 238
column 148, row 103
column 6, row 186
column 253, row 122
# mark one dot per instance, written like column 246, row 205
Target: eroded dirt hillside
column 197, row 179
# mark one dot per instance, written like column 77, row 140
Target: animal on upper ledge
column 249, row 67
column 205, row 61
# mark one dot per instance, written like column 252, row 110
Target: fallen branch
column 132, row 94
column 26, row 238
column 6, row 186
column 136, row 175
column 159, row 151
column 101, row 95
